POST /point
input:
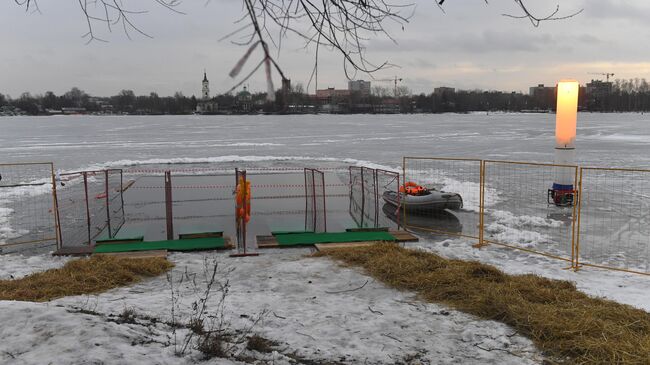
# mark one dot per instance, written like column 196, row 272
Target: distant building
column 206, row 86
column 597, row 93
column 542, row 97
column 359, row 86
column 206, row 105
column 444, row 90
column 331, row 92
column 332, row 100
column 244, row 101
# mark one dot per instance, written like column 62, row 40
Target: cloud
column 624, row 10
column 470, row 45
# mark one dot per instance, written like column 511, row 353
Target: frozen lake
column 80, row 142
column 518, row 213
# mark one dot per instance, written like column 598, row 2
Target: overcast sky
column 471, row 45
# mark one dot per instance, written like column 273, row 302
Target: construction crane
column 606, row 74
column 394, row 80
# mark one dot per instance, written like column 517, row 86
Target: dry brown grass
column 563, row 322
column 83, row 276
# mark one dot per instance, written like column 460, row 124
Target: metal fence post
column 85, row 175
column 108, row 207
column 122, row 195
column 573, row 216
column 398, row 193
column 374, row 173
column 306, row 197
column 313, row 191
column 399, row 202
column 363, row 197
column 577, row 242
column 324, row 204
column 169, row 215
column 481, row 205
column 245, row 207
column 55, row 208
column 241, row 217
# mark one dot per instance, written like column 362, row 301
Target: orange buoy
column 243, row 194
column 411, row 188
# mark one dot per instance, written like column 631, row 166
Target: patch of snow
column 42, row 333
column 508, row 219
column 18, row 266
column 515, row 236
column 315, row 307
column 229, row 158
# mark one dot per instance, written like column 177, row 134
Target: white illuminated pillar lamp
column 566, row 118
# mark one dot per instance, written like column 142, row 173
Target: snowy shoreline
column 310, row 310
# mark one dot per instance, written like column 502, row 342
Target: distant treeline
column 124, row 102
column 623, row 96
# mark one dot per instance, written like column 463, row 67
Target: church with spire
column 206, row 105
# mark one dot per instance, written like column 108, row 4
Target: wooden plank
column 368, row 229
column 136, row 254
column 74, row 251
column 267, row 242
column 187, row 236
column 329, row 246
column 198, row 231
column 119, row 240
column 404, row 236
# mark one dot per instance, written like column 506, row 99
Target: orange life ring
column 412, row 188
column 241, row 195
column 407, row 187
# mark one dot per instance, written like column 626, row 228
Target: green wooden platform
column 124, row 235
column 308, row 239
column 194, row 244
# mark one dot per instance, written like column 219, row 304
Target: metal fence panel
column 518, row 212
column 27, row 211
column 315, row 208
column 387, row 181
column 357, row 198
column 86, row 201
column 115, row 201
column 614, row 225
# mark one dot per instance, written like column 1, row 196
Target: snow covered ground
column 312, row 306
column 313, row 309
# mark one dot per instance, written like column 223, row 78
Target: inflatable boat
column 417, row 199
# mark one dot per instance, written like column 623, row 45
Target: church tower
column 206, row 87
